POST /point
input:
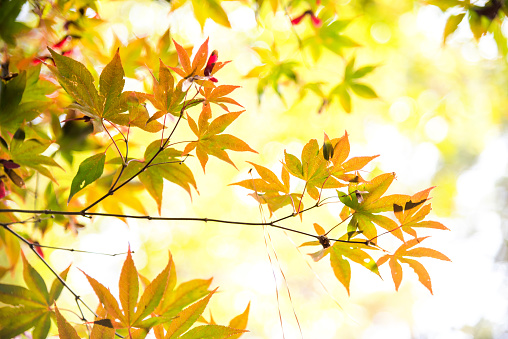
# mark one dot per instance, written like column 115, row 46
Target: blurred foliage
column 433, row 70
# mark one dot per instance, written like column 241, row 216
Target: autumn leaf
column 174, row 300
column 218, row 96
column 400, row 256
column 346, row 170
column 210, row 9
column 269, row 189
column 166, row 98
column 184, row 320
column 166, row 166
column 211, row 141
column 211, row 332
column 240, row 322
column 340, row 251
column 65, row 330
column 411, row 213
column 78, row 82
column 313, row 169
column 195, row 70
column 133, row 313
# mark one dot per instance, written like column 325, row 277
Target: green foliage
column 29, row 306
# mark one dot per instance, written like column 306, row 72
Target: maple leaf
column 210, row 9
column 165, row 166
column 32, row 304
column 195, row 71
column 329, row 35
column 136, row 311
column 272, row 71
column 350, row 84
column 341, row 252
column 341, row 169
column 23, row 98
column 313, row 169
column 9, row 26
column 166, row 98
column 413, row 211
column 102, row 328
column 28, row 153
column 77, row 81
column 240, row 322
column 89, row 170
column 211, row 141
column 269, row 189
column 400, row 256
column 217, row 95
column 366, row 201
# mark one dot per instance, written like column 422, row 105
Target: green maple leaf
column 351, row 84
column 89, row 170
column 166, row 165
column 273, row 71
column 401, row 256
column 28, row 153
column 366, row 201
column 107, row 103
column 211, row 141
column 23, row 98
column 32, row 305
column 330, row 36
column 9, row 27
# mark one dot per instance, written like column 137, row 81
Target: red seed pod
column 3, row 191
column 211, row 63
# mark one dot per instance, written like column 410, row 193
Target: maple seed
column 9, row 164
column 315, row 20
column 211, row 63
column 324, row 241
column 3, row 191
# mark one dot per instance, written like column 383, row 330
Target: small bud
column 324, row 241
column 327, row 148
column 15, row 178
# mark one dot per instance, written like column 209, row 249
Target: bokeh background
column 440, row 120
